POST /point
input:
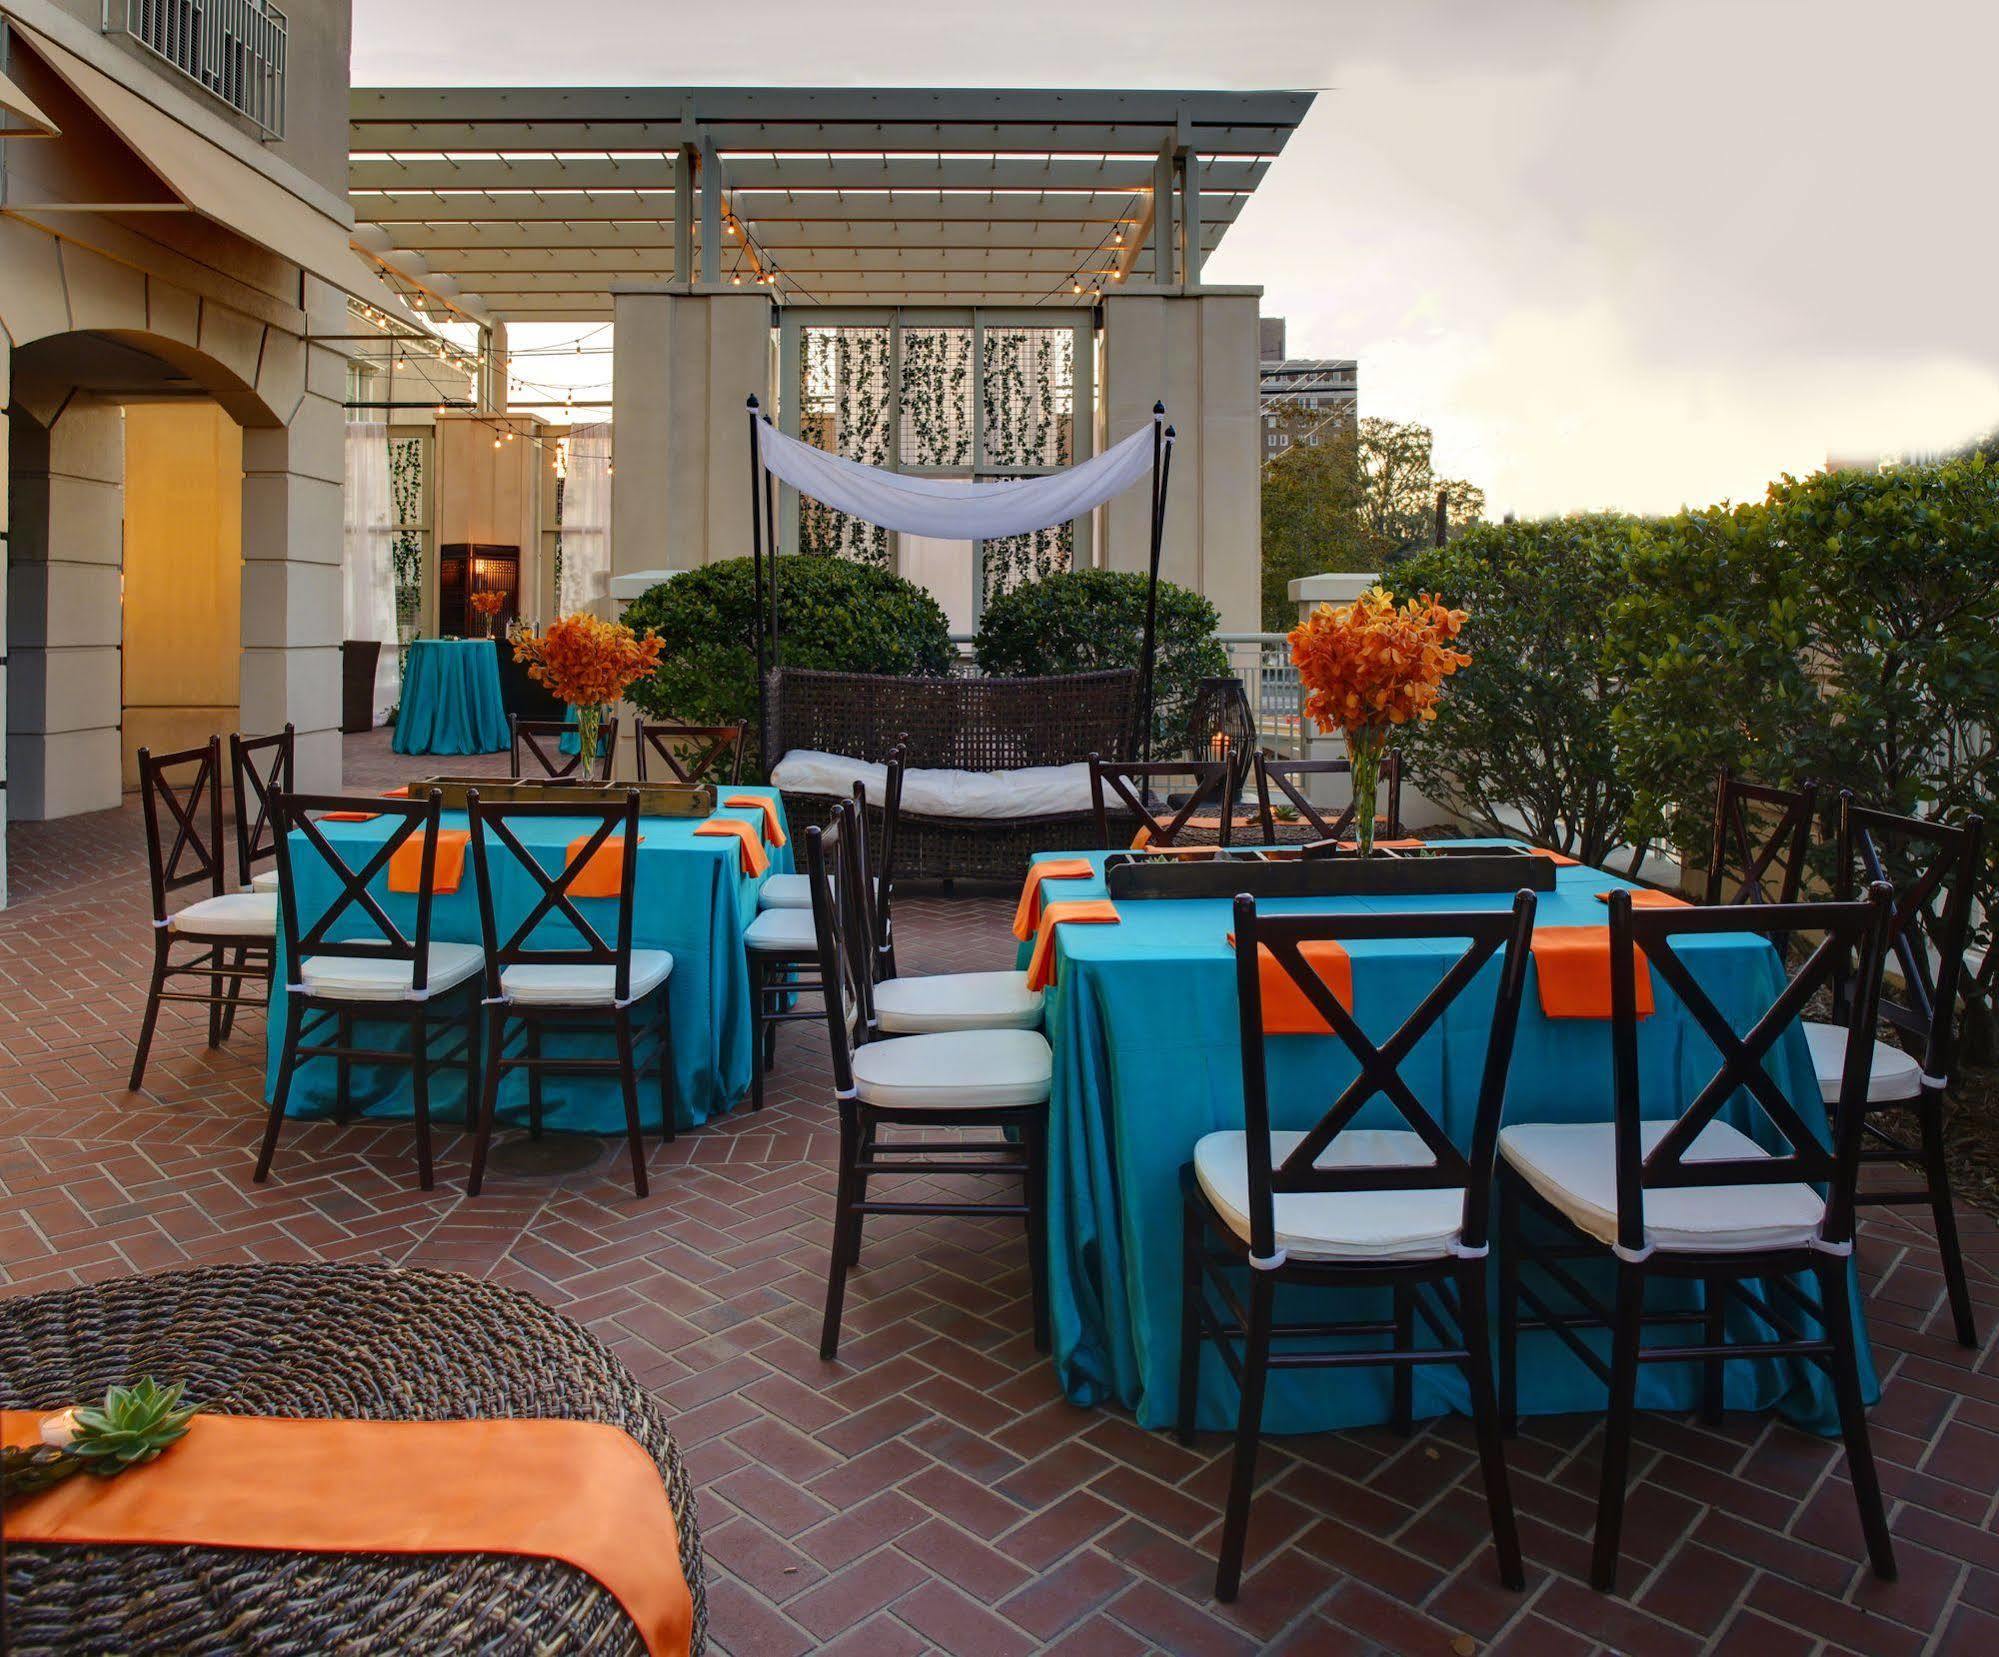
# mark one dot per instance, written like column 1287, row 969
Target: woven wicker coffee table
column 359, row 1341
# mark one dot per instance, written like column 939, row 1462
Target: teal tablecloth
column 451, row 699
column 1148, row 1058
column 692, row 901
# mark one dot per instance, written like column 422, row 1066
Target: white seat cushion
column 1337, row 1225
column 341, row 978
column 1893, row 1074
column 573, row 984
column 264, row 880
column 232, row 915
column 792, row 892
column 1573, row 1165
column 966, row 1070
column 957, row 1001
column 783, row 931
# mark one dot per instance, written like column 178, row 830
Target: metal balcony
column 232, row 49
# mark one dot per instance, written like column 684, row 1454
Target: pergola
column 530, row 203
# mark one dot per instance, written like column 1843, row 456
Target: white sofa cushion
column 232, row 915
column 578, row 984
column 1031, row 791
column 1573, row 1165
column 343, row 978
column 967, row 1070
column 1892, row 1075
column 957, row 1001
column 1337, row 1225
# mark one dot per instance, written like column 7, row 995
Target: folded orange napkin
column 1554, row 857
column 1644, row 897
column 402, row 793
column 1572, row 970
column 406, row 862
column 583, row 1492
column 1084, row 912
column 1027, row 913
column 348, row 816
column 604, row 875
column 755, row 859
column 1286, row 1011
column 773, row 820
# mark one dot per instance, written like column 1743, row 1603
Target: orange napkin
column 1572, row 969
column 755, row 859
column 406, row 862
column 1554, row 857
column 1286, row 1012
column 1142, row 838
column 402, row 793
column 1027, row 913
column 579, row 1491
column 1644, row 897
column 773, row 826
column 348, row 816
column 1084, row 912
column 603, row 876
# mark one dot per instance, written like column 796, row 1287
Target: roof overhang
column 20, row 116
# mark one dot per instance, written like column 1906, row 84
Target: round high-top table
column 451, row 699
column 362, row 1341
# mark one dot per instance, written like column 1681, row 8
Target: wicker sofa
column 961, row 724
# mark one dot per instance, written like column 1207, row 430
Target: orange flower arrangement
column 589, row 664
column 487, row 605
column 1371, row 665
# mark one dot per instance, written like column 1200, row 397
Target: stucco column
column 65, row 522
column 6, row 400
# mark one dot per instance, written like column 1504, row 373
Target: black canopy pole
column 1162, row 471
column 770, row 540
column 757, row 569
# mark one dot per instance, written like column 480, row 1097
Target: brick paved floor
column 931, row 1490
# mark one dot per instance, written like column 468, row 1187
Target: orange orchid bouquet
column 588, row 664
column 1369, row 666
column 487, row 605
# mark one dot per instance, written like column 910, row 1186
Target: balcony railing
column 233, row 49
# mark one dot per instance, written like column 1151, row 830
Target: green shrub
column 1523, row 734
column 831, row 613
column 1082, row 621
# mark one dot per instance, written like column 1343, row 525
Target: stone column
column 65, row 522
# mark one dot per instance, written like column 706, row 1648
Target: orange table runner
column 579, row 1491
column 1286, row 1011
column 1572, row 972
column 1083, row 912
column 755, row 858
column 406, row 862
column 604, row 875
column 773, row 825
column 1027, row 913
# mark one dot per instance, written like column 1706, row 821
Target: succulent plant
column 132, row 1426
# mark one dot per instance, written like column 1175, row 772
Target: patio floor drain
column 549, row 1157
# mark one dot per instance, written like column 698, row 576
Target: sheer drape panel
column 368, row 585
column 586, row 521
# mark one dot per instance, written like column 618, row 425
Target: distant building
column 1328, row 386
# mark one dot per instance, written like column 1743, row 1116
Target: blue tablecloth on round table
column 1148, row 1058
column 451, row 699
column 692, row 901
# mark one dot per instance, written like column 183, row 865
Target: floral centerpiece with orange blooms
column 1369, row 666
column 589, row 664
column 487, row 605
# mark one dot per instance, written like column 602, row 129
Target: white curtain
column 586, row 521
column 368, row 579
column 951, row 509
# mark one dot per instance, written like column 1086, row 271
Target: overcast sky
column 1623, row 253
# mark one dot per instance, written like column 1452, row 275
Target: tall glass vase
column 1364, row 749
column 589, row 732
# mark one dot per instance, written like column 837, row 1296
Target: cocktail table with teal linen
column 692, row 900
column 451, row 699
column 1143, row 1021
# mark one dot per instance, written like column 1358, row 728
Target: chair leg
column 1192, row 1294
column 343, row 1070
column 287, row 1063
column 843, row 1217
column 1404, row 1377
column 489, row 1096
column 1626, row 1326
column 1509, row 1304
column 1485, row 1422
column 162, row 944
column 475, row 1059
column 756, row 1034
column 215, row 981
column 1714, row 1290
column 1936, row 1175
column 1833, row 1296
column 1036, row 1134
column 237, row 956
column 666, row 1064
column 628, row 1082
column 865, row 1145
column 420, row 1078
column 1249, row 1429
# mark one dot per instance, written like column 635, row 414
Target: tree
column 1399, row 508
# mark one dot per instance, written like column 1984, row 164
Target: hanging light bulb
column 440, row 408
column 1075, row 287
column 1118, row 237
column 496, row 442
column 737, row 279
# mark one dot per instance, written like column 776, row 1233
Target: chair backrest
column 257, row 766
column 1284, row 774
column 1854, row 929
column 182, row 796
column 877, row 890
column 354, row 865
column 832, row 874
column 1131, row 782
column 1761, row 835
column 492, row 825
column 528, row 735
column 695, row 753
column 1934, row 868
column 1485, row 933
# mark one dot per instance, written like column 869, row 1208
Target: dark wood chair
column 985, row 1079
column 1280, row 776
column 1411, row 1213
column 352, row 961
column 878, row 853
column 1639, row 1193
column 1131, row 783
column 1934, row 868
column 1761, row 838
column 528, row 735
column 258, row 765
column 230, row 933
column 534, row 985
column 694, row 753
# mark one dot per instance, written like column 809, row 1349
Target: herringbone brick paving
column 932, row 1490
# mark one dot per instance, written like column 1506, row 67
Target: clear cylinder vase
column 1364, row 751
column 589, row 732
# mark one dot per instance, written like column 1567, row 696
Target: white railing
column 234, row 49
